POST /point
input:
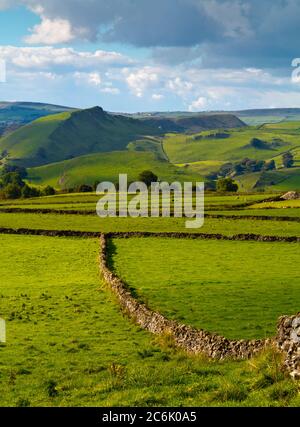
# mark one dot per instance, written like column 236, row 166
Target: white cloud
column 48, row 57
column 94, row 79
column 199, row 104
column 141, row 79
column 51, row 32
column 179, row 86
column 157, row 96
column 111, row 90
column 37, row 75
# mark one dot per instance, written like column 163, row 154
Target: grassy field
column 284, row 204
column 27, row 140
column 211, row 199
column 93, row 223
column 107, row 167
column 183, row 149
column 281, row 180
column 204, row 153
column 217, row 286
column 72, row 134
column 69, row 345
column 259, row 211
column 204, row 167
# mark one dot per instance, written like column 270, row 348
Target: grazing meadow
column 68, row 344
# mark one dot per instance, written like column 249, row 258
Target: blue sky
column 163, row 55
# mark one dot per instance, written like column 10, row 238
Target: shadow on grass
column 111, row 251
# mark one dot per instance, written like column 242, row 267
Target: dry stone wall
column 196, row 340
column 288, row 341
column 190, row 339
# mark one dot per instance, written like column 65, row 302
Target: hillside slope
column 16, row 114
column 68, row 135
column 196, row 123
column 107, row 166
column 206, row 152
column 71, row 134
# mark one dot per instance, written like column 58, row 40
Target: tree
column 258, row 144
column 288, row 160
column 269, row 166
column 239, row 169
column 226, row 169
column 12, row 178
column 12, row 191
column 227, row 185
column 147, row 177
column 48, row 191
column 12, row 168
column 84, row 188
column 28, row 192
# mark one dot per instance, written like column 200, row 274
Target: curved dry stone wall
column 199, row 341
column 190, row 339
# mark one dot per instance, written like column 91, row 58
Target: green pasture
column 185, row 149
column 68, row 344
column 107, row 167
column 235, row 289
column 95, row 224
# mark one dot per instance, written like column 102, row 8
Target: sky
column 158, row 55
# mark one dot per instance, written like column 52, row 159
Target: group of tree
column 13, row 186
column 245, row 166
column 288, row 160
column 225, row 185
column 147, row 177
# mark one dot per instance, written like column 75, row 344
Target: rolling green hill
column 107, row 166
column 187, row 149
column 83, row 146
column 195, row 123
column 207, row 151
column 16, row 114
column 71, row 134
column 68, row 135
column 251, row 117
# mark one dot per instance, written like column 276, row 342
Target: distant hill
column 76, row 133
column 16, row 114
column 270, row 115
column 69, row 147
column 205, row 153
column 194, row 124
column 250, row 117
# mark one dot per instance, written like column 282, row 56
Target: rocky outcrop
column 291, row 195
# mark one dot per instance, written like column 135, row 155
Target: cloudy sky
column 158, row 55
